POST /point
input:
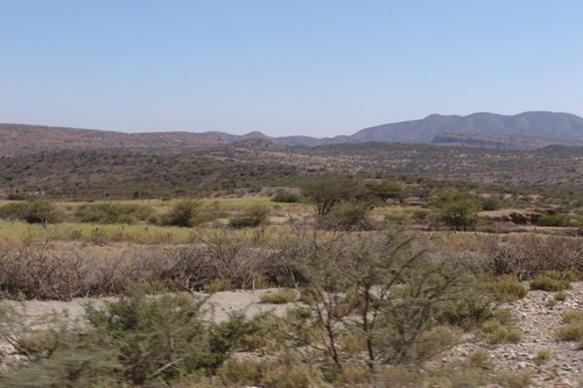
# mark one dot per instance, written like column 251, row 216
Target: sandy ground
column 217, row 307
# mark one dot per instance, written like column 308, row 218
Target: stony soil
column 539, row 320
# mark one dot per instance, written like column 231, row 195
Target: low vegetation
column 366, row 279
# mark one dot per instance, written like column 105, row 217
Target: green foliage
column 572, row 329
column 285, row 196
column 217, row 285
column 33, row 212
column 326, row 192
column 458, row 210
column 506, row 288
column 252, row 218
column 283, row 296
column 387, row 279
column 385, row 190
column 491, row 203
column 561, row 220
column 112, row 213
column 552, row 281
column 500, row 333
column 183, row 213
column 543, row 356
column 348, row 216
column 138, row 340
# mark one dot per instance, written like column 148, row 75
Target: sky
column 311, row 67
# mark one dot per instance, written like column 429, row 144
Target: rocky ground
column 537, row 317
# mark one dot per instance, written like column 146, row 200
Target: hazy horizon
column 320, row 68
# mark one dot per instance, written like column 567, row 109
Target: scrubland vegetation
column 380, row 280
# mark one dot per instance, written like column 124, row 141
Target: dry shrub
column 527, row 257
column 43, row 274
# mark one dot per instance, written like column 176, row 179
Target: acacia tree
column 457, row 210
column 384, row 293
column 328, row 191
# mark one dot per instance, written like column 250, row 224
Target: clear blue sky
column 314, row 67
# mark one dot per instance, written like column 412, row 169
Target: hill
column 528, row 130
column 524, row 130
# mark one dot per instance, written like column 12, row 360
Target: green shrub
column 347, row 216
column 285, row 196
column 137, row 341
column 542, row 356
column 112, row 213
column 556, row 220
column 235, row 373
column 572, row 329
column 481, row 359
column 499, row 333
column 506, row 288
column 252, row 218
column 385, row 190
column 457, row 210
column 326, row 192
column 283, row 296
column 217, row 285
column 34, row 212
column 42, row 212
column 514, row 379
column 292, row 376
column 184, row 213
column 491, row 203
column 552, row 281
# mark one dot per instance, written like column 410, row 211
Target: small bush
column 542, row 356
column 499, row 333
column 217, row 285
column 491, row 203
column 136, row 341
column 235, row 373
column 285, row 196
column 354, row 375
column 506, row 288
column 283, row 296
column 292, row 376
column 552, row 281
column 560, row 296
column 34, row 212
column 348, row 216
column 572, row 330
column 481, row 359
column 42, row 212
column 457, row 210
column 514, row 380
column 560, row 220
column 112, row 213
column 183, row 213
column 252, row 218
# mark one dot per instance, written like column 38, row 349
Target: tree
column 385, row 190
column 457, row 210
column 328, row 191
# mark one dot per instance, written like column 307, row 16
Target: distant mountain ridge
column 526, row 130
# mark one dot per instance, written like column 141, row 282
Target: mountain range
column 528, row 130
